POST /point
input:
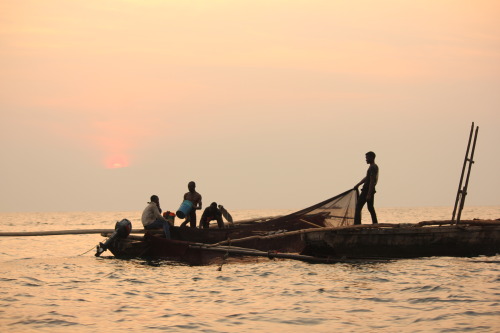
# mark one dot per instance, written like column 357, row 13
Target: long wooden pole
column 459, row 191
column 99, row 231
column 304, row 231
column 464, row 191
column 61, row 232
column 270, row 255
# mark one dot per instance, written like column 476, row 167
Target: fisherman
column 195, row 199
column 209, row 214
column 368, row 190
column 152, row 218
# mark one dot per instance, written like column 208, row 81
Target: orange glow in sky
column 115, row 162
column 243, row 97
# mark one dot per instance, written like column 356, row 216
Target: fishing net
column 333, row 212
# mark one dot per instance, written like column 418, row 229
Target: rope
column 92, row 248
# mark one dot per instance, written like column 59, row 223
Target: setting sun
column 116, row 162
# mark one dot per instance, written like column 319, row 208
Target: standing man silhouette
column 195, row 198
column 368, row 190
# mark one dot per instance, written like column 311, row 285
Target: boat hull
column 252, row 236
column 404, row 242
column 155, row 247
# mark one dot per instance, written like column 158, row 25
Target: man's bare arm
column 361, row 182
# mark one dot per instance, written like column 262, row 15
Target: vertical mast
column 462, row 192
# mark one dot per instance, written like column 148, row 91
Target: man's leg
column 371, row 209
column 166, row 229
column 158, row 224
column 359, row 207
column 192, row 218
column 186, row 221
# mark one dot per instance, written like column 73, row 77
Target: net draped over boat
column 336, row 211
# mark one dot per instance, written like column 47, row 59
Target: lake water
column 55, row 284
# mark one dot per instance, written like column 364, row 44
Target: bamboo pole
column 313, row 224
column 107, row 232
column 270, row 255
column 255, row 219
column 305, row 231
column 459, row 192
column 100, row 231
column 61, row 232
column 465, row 222
column 464, row 190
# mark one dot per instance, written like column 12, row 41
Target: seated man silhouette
column 152, row 218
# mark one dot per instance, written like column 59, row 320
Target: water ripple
column 88, row 294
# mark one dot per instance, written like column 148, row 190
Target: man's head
column 191, row 186
column 155, row 199
column 370, row 157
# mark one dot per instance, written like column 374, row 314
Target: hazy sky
column 265, row 104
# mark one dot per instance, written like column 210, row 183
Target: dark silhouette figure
column 152, row 218
column 368, row 191
column 195, row 198
column 209, row 214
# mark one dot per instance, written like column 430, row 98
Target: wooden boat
column 330, row 244
column 252, row 234
column 433, row 238
column 424, row 239
column 155, row 247
column 323, row 231
column 185, row 242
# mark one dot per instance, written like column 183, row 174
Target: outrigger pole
column 462, row 192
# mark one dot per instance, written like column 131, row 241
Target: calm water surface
column 52, row 284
